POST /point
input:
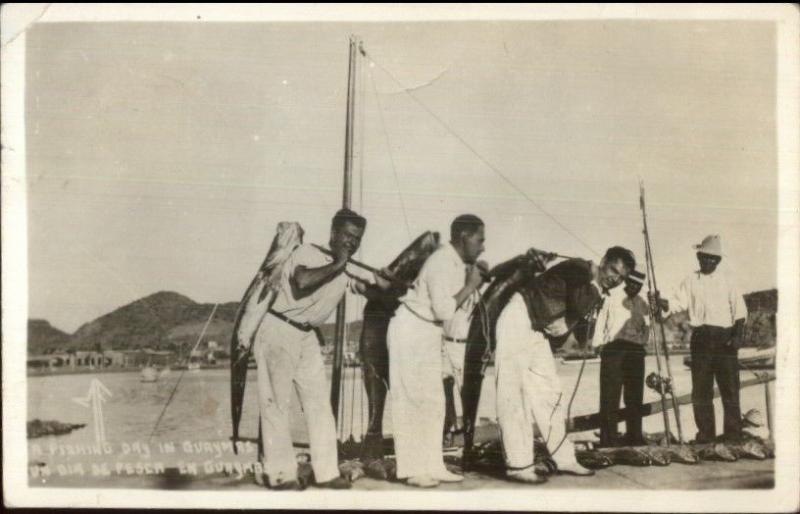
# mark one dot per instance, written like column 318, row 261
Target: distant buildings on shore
column 102, row 359
column 134, row 359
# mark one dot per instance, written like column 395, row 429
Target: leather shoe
column 574, row 469
column 526, row 476
column 447, row 477
column 336, row 483
column 422, row 481
column 290, row 485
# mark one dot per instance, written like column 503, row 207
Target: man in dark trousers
column 716, row 313
column 621, row 332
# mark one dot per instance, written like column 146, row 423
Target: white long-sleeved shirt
column 622, row 318
column 432, row 297
column 712, row 299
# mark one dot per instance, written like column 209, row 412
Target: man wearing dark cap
column 288, row 357
column 622, row 332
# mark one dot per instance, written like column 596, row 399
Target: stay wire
column 481, row 157
column 391, row 155
column 180, row 377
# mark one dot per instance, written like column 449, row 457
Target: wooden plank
column 592, row 421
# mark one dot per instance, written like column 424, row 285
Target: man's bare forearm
column 307, row 280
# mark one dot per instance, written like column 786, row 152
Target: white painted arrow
column 94, row 399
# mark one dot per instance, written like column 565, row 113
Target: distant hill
column 164, row 321
column 759, row 329
column 45, row 338
column 762, row 308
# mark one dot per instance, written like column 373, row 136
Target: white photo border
column 17, row 18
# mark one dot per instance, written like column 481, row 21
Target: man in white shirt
column 287, row 354
column 716, row 313
column 449, row 277
column 621, row 333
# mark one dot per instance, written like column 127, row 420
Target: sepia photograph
column 405, row 256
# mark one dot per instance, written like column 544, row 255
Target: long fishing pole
column 361, row 265
column 652, row 286
column 654, row 317
column 177, row 383
column 485, row 274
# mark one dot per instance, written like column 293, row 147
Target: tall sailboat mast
column 341, row 310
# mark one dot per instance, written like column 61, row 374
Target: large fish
column 374, row 352
column 257, row 299
column 506, row 278
column 716, row 452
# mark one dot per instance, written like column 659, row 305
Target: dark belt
column 454, row 340
column 412, row 311
column 305, row 327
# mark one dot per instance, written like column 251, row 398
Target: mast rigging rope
column 391, row 156
column 480, row 157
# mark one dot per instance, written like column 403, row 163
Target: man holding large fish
column 449, row 279
column 287, row 353
column 545, row 309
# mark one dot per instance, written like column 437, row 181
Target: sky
column 161, row 156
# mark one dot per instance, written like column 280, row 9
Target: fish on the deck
column 647, row 455
column 592, row 459
column 683, row 454
column 749, row 449
column 766, row 446
column 716, row 452
column 659, row 456
column 627, row 455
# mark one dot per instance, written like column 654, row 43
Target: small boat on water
column 749, row 358
column 149, row 374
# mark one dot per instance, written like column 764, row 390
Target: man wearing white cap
column 622, row 331
column 716, row 313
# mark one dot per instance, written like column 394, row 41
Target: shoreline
column 30, row 373
column 110, row 369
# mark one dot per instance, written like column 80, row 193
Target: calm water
column 200, row 410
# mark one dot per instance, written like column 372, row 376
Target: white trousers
column 288, row 357
column 415, row 386
column 528, row 390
